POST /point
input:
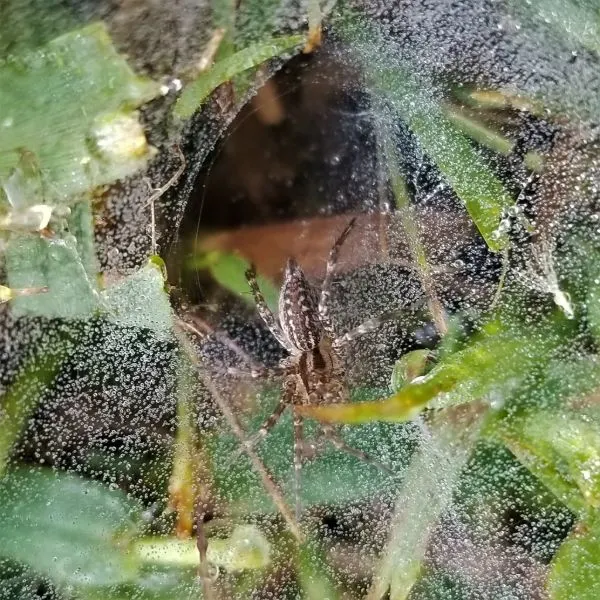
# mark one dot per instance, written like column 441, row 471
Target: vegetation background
column 150, row 151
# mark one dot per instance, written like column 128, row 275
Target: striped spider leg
column 313, row 371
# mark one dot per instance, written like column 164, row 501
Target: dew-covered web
column 151, row 153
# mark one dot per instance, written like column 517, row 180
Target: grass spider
column 313, row 371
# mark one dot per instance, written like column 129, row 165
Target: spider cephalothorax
column 299, row 310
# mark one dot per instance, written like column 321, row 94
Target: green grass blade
column 431, row 475
column 197, row 91
column 494, row 360
column 400, row 93
column 479, row 131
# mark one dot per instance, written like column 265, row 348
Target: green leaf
column 35, row 261
column 152, row 583
column 197, row 91
column 69, row 529
column 563, row 451
column 85, row 95
column 551, row 433
column 229, row 271
column 21, row 398
column 82, row 95
column 575, row 570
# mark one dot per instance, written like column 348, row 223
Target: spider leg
column 264, row 311
column 339, row 444
column 326, row 287
column 298, row 457
column 362, row 329
column 268, row 423
column 258, row 372
column 371, row 325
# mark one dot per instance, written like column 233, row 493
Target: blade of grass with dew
column 223, row 16
column 491, row 99
column 413, row 237
column 426, row 493
column 399, row 93
column 495, row 361
column 482, row 193
column 196, row 92
column 478, row 131
column 488, row 137
column 185, row 468
column 245, row 24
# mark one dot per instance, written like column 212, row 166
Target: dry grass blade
column 233, row 422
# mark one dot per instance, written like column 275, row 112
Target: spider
column 313, row 372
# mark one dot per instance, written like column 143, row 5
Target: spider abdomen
column 298, row 309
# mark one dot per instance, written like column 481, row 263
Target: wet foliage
column 151, row 153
